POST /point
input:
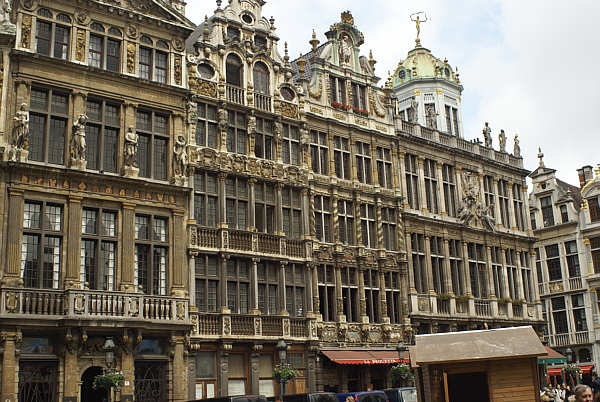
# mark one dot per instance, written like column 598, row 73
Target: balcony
column 235, row 94
column 561, row 285
column 443, row 306
column 482, row 308
column 573, row 338
column 262, row 102
column 90, row 304
column 206, row 239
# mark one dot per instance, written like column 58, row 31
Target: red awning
column 586, row 369
column 554, row 371
column 365, row 356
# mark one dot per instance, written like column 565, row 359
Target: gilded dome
column 420, row 64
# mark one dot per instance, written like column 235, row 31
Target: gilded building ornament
column 82, row 17
column 289, row 110
column 177, row 68
column 80, row 46
column 131, row 31
column 472, row 207
column 26, row 31
column 347, row 18
column 131, row 50
column 375, row 107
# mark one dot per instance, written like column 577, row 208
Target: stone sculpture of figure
column 431, row 116
column 414, row 106
column 469, row 199
column 131, row 145
column 78, row 146
column 22, row 128
column 487, row 135
column 6, row 10
column 485, row 217
column 517, row 148
column 181, row 158
column 502, row 141
column 345, row 51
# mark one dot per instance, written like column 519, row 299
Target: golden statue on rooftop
column 416, row 18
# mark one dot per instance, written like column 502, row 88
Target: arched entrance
column 88, row 393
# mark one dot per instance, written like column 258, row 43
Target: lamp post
column 282, row 353
column 401, row 348
column 109, row 356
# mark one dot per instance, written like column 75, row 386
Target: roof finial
column 417, row 20
column 541, row 157
column 372, row 61
column 286, row 57
column 301, row 65
column 314, row 42
column 219, row 4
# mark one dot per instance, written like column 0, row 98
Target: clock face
column 402, row 74
column 447, row 72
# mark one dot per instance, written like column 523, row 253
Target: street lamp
column 282, row 353
column 109, row 354
column 569, row 353
column 401, row 348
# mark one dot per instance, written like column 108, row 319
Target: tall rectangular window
column 346, row 222
column 207, row 283
column 503, row 200
column 559, row 315
column 449, row 183
column 526, row 276
column 319, row 152
column 553, row 263
column 417, row 242
column 41, row 250
column 48, row 125
column 572, row 259
column 594, row 209
column 448, row 111
column 393, row 299
column 437, row 264
column 350, row 298
column 206, row 127
column 359, row 97
column 236, row 133
column 236, row 202
column 341, row 157
column 412, row 180
column 102, row 135
column 268, row 287
column 145, row 63
column 498, row 272
column 363, row 162
column 455, row 121
column 295, row 281
column 511, row 271
column 96, row 51
column 371, row 280
column 384, row 167
column 431, row 185
column 547, row 211
column 326, row 283
column 153, row 144
column 160, row 67
column 578, row 305
column 456, row 268
column 98, row 249
column 104, row 51
column 338, row 89
column 490, row 196
column 238, row 285
column 367, row 223
column 518, row 206
column 388, row 223
column 206, row 195
column 323, row 218
column 533, row 222
column 291, row 145
column 291, row 203
column 263, row 139
column 595, row 249
column 151, row 259
column 477, row 270
column 52, row 38
column 264, row 207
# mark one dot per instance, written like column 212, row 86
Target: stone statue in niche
column 431, row 116
column 345, row 50
column 414, row 107
column 487, row 135
column 180, row 159
column 130, row 167
column 5, row 13
column 502, row 141
column 517, row 147
column 21, row 119
column 78, row 145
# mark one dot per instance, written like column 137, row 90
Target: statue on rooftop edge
column 517, row 147
column 418, row 22
column 487, row 135
column 502, row 141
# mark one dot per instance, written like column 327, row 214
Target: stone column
column 402, row 178
column 279, row 210
column 504, row 283
column 72, row 275
column 12, row 270
column 447, row 273
column 223, row 371
column 222, row 213
column 282, row 293
column 223, row 258
column 254, row 287
column 315, row 287
column 421, row 189
column 428, row 267
column 335, row 236
column 440, row 190
column 306, row 214
column 382, row 295
column 311, row 371
column 396, row 162
column 254, row 369
column 179, row 385
column 364, row 318
column 373, row 156
column 497, row 204
column 179, row 254
column 308, row 298
column 459, row 190
column 378, row 226
column 10, row 366
column 511, row 207
column 411, row 273
column 490, row 272
column 357, row 230
column 70, row 368
column 520, row 284
column 466, row 274
column 338, row 294
column 251, row 207
column 331, row 161
column 128, row 249
column 128, row 367
column 223, row 124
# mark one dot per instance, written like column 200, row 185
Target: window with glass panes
column 456, row 268
column 102, row 135
column 512, row 273
column 295, row 281
column 431, row 185
column 533, row 223
column 261, row 78
column 388, row 223
column 206, row 197
column 323, row 218
column 341, row 157
column 449, row 184
column 153, row 61
column 266, row 381
column 503, row 200
column 206, row 376
column 153, row 144
column 237, row 382
column 371, row 279
column 363, row 162
column 207, row 283
column 437, row 264
column 367, row 224
column 455, row 121
column 350, row 300
column 291, row 204
column 291, row 145
column 98, row 248
column 564, row 214
column 547, row 211
column 578, row 307
column 326, row 284
column 392, row 296
column 384, row 167
column 359, row 97
column 553, row 263
column 319, row 152
column 477, row 270
column 264, row 206
column 263, row 139
column 412, row 180
column 519, row 206
column 452, row 120
column 448, row 119
column 594, row 208
column 538, row 265
column 151, row 254
column 346, row 222
column 236, row 202
column 105, row 47
column 48, row 118
column 206, row 127
column 236, row 132
column 298, row 384
column 489, row 195
column 559, row 315
column 338, row 89
column 417, row 242
column 498, row 272
column 526, row 276
column 595, row 249
column 41, row 250
column 268, row 287
column 572, row 259
column 238, row 285
column 52, row 37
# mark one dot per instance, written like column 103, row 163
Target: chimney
column 585, row 175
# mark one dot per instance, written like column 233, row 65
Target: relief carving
column 177, row 72
column 180, row 311
column 11, row 302
column 131, row 50
column 374, row 104
column 26, row 31
column 82, row 17
column 80, row 47
column 289, row 110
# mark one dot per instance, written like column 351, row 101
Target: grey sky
column 528, row 66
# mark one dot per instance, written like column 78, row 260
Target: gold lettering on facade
column 339, row 116
column 316, row 110
column 361, row 122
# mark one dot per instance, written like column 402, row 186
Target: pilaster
column 72, row 279
column 10, row 366
column 179, row 254
column 128, row 249
column 12, row 270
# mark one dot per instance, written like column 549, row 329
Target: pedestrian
column 583, row 393
column 595, row 384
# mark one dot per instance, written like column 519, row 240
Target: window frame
column 503, row 199
column 264, row 139
column 154, row 137
column 52, row 39
column 362, row 155
column 419, row 267
column 342, row 157
column 323, row 218
column 99, row 237
column 49, row 116
column 290, row 147
column 291, row 205
column 411, row 173
column 547, row 209
column 295, row 287
column 207, row 125
column 431, row 185
column 388, row 225
column 203, row 279
column 237, row 279
column 327, row 292
column 384, row 167
column 268, row 287
column 151, row 244
column 237, row 133
column 268, row 206
column 319, row 151
column 210, row 199
column 350, row 293
column 239, row 197
column 368, row 225
column 104, row 124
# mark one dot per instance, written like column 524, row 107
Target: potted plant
column 517, row 302
column 504, row 300
column 401, row 373
column 284, row 374
column 112, row 379
column 444, row 296
column 462, row 299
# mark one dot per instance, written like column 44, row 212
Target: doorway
column 88, row 393
column 468, row 387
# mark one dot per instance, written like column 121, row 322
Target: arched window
column 234, row 70
column 153, row 63
column 261, row 78
column 52, row 38
column 104, row 50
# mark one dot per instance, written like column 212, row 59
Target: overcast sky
column 529, row 67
